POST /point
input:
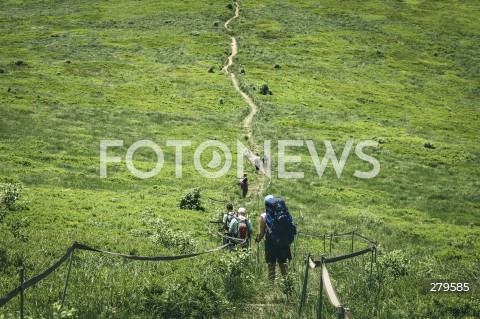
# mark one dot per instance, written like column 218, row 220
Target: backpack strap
column 267, row 228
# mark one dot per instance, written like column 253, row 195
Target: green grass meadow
column 405, row 74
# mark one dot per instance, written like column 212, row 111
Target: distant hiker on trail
column 241, row 227
column 227, row 219
column 243, row 183
column 277, row 226
column 256, row 162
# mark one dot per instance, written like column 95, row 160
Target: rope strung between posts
column 147, row 258
column 210, row 224
column 217, row 200
column 236, row 241
column 318, row 263
column 36, row 279
column 233, row 240
column 75, row 245
column 325, row 280
column 329, row 236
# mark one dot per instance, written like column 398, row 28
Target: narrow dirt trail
column 257, row 188
column 247, row 122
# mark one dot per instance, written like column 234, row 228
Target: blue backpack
column 280, row 227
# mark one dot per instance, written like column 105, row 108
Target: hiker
column 276, row 224
column 256, row 162
column 241, row 227
column 243, row 183
column 227, row 219
column 265, row 163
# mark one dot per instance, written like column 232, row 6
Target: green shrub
column 10, row 195
column 393, row 264
column 192, row 201
column 265, row 90
column 164, row 235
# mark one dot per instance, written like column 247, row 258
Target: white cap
column 242, row 210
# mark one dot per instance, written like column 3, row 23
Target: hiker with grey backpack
column 227, row 219
column 241, row 228
column 276, row 224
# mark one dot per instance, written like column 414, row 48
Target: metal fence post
column 320, row 297
column 22, row 273
column 331, row 238
column 353, row 239
column 371, row 265
column 67, row 277
column 324, row 242
column 340, row 312
column 304, row 288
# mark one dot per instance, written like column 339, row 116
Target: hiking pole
column 304, row 287
column 258, row 252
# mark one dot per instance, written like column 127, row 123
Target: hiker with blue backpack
column 276, row 224
column 241, row 227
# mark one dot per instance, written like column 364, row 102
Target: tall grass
column 77, row 72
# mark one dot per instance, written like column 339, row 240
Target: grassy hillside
column 402, row 73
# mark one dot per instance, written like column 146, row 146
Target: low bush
column 192, row 201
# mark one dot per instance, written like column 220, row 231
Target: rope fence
column 77, row 246
column 223, row 201
column 330, row 237
column 325, row 281
column 228, row 241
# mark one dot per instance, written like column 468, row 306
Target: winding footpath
column 247, row 122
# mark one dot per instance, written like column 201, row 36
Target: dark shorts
column 275, row 254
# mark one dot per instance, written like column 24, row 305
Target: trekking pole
column 258, row 252
column 294, row 249
column 304, row 288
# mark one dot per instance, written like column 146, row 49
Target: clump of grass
column 188, row 297
column 168, row 237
